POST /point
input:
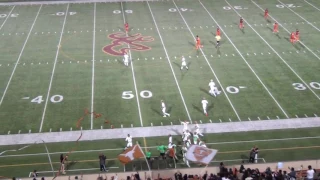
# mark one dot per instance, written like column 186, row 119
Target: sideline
column 154, row 131
column 223, row 152
column 150, row 147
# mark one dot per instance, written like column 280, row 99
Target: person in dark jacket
column 102, row 161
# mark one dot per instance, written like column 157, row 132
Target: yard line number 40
column 53, row 99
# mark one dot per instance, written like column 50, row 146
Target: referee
column 218, row 38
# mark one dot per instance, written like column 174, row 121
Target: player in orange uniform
column 292, row 38
column 297, row 35
column 218, row 33
column 275, row 27
column 266, row 13
column 198, row 43
column 241, row 26
column 126, row 26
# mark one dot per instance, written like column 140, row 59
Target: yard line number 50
column 144, row 94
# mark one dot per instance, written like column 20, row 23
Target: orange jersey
column 218, row 33
column 126, row 25
column 198, row 40
column 266, row 12
column 275, row 26
column 297, row 33
column 241, row 21
column 292, row 36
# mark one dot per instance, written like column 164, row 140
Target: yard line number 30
column 301, row 87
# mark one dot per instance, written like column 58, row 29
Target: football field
column 59, row 62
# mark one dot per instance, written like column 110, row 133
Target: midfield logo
column 119, row 40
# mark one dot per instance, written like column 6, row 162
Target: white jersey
column 126, row 57
column 129, row 139
column 163, row 105
column 185, row 125
column 204, row 103
column 212, row 85
column 183, row 60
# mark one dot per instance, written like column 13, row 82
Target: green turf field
column 48, row 78
column 283, row 145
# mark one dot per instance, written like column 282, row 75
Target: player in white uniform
column 126, row 59
column 129, row 141
column 198, row 129
column 184, row 152
column 170, row 138
column 204, row 103
column 163, row 108
column 185, row 125
column 213, row 89
column 183, row 63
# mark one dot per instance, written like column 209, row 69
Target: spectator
column 221, row 167
column 149, row 159
column 102, row 161
column 178, row 176
column 310, row 173
column 62, row 161
column 34, row 174
column 241, row 170
column 292, row 174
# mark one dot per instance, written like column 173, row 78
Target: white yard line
column 7, row 17
column 299, row 16
column 312, row 5
column 287, row 31
column 18, row 60
column 275, row 51
column 222, row 88
column 93, row 60
column 265, row 87
column 150, row 147
column 168, row 58
column 132, row 70
column 53, row 70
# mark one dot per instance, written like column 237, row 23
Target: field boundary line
column 149, row 147
column 169, row 61
column 154, row 131
column 285, row 62
column 244, row 59
column 222, row 88
column 299, row 15
column 312, row 5
column 132, row 69
column 19, row 57
column 287, row 31
column 93, row 64
column 7, row 17
column 53, row 70
column 67, row 2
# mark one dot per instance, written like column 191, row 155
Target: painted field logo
column 119, row 40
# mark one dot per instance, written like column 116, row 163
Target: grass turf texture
column 270, row 150
column 72, row 76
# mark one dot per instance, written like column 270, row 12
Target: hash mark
column 315, row 115
column 268, row 117
column 305, row 115
column 219, row 120
column 211, row 121
column 249, row 118
column 297, row 116
column 278, row 117
column 230, row 120
column 226, row 54
column 255, row 54
column 259, row 118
